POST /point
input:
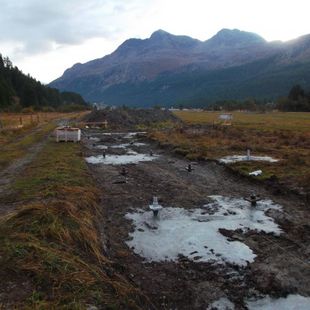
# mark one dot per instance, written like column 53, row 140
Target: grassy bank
column 285, row 136
column 50, row 248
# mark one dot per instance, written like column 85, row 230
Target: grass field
column 295, row 121
column 285, row 136
column 51, row 243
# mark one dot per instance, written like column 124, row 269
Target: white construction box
column 68, row 134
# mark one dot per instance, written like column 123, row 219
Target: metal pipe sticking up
column 248, row 154
column 253, row 199
column 124, row 172
column 155, row 206
column 189, row 168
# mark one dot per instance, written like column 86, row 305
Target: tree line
column 21, row 92
column 297, row 100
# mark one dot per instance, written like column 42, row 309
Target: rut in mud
column 280, row 260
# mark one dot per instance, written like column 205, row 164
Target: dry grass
column 15, row 120
column 294, row 121
column 52, row 240
column 285, row 136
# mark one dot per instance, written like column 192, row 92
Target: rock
column 193, row 253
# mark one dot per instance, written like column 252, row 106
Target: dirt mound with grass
column 132, row 118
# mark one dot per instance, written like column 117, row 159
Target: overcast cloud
column 36, row 25
column 46, row 37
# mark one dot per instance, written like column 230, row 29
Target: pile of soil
column 130, row 118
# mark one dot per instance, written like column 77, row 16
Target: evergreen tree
column 15, row 86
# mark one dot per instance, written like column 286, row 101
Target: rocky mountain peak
column 233, row 37
column 159, row 34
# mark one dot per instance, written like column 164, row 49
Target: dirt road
column 281, row 265
column 8, row 174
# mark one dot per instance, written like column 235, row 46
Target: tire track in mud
column 9, row 174
column 186, row 284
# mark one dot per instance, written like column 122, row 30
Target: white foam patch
column 291, row 302
column 222, row 304
column 237, row 158
column 256, row 173
column 119, row 159
column 195, row 233
column 94, row 139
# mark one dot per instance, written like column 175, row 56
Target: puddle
column 101, row 147
column 130, row 135
column 120, row 159
column 139, row 144
column 195, row 233
column 291, row 302
column 125, row 145
column 131, row 152
column 119, row 146
column 237, row 158
column 222, row 304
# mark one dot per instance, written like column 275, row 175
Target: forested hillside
column 18, row 91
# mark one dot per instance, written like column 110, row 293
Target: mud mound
column 131, row 118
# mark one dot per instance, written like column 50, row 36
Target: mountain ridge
column 138, row 61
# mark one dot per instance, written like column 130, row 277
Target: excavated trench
column 208, row 247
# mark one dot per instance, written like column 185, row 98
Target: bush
column 47, row 109
column 28, row 110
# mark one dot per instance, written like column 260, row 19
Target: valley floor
column 76, row 234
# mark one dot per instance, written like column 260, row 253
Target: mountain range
column 168, row 69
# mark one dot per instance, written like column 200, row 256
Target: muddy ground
column 282, row 263
column 131, row 118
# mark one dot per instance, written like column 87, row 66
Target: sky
column 44, row 38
